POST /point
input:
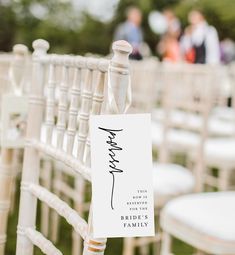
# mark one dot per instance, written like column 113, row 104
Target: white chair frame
column 27, row 236
column 14, row 74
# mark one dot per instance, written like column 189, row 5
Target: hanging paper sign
column 13, row 117
column 122, row 183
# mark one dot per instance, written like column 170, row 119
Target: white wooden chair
column 75, row 152
column 219, row 152
column 13, row 74
column 220, row 145
column 191, row 93
column 204, row 221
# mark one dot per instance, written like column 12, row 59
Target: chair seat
column 221, row 127
column 217, row 125
column 220, row 151
column 180, row 140
column 205, row 221
column 224, row 113
column 170, row 180
column 178, row 117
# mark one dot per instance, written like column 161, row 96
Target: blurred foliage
column 71, row 32
column 7, row 28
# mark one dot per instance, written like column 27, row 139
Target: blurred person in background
column 227, row 47
column 131, row 31
column 200, row 42
column 173, row 23
column 168, row 46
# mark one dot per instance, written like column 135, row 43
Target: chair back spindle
column 18, row 68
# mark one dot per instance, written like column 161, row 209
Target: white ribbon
column 113, row 107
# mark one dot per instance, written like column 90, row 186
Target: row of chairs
column 192, row 125
column 187, row 100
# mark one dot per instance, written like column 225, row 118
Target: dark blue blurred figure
column 131, row 31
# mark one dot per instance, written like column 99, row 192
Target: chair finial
column 122, row 45
column 20, row 49
column 122, row 50
column 40, row 47
column 119, row 78
column 41, row 44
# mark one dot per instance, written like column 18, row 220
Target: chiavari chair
column 14, row 74
column 64, row 139
column 219, row 152
column 218, row 131
column 189, row 91
column 203, row 220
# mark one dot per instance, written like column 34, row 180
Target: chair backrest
column 144, row 84
column 8, row 158
column 19, row 69
column 13, row 99
column 58, row 125
column 188, row 92
column 13, row 68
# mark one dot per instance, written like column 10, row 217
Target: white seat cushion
column 220, row 151
column 224, row 113
column 201, row 219
column 178, row 117
column 170, row 180
column 217, row 125
column 220, row 127
column 180, row 139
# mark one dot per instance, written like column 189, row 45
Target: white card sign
column 14, row 111
column 122, row 186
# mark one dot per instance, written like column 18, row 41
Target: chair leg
column 128, row 246
column 166, row 244
column 144, row 248
column 6, row 177
column 16, row 168
column 78, row 206
column 224, row 175
column 46, row 182
column 28, row 202
column 55, row 217
column 76, row 246
column 200, row 173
